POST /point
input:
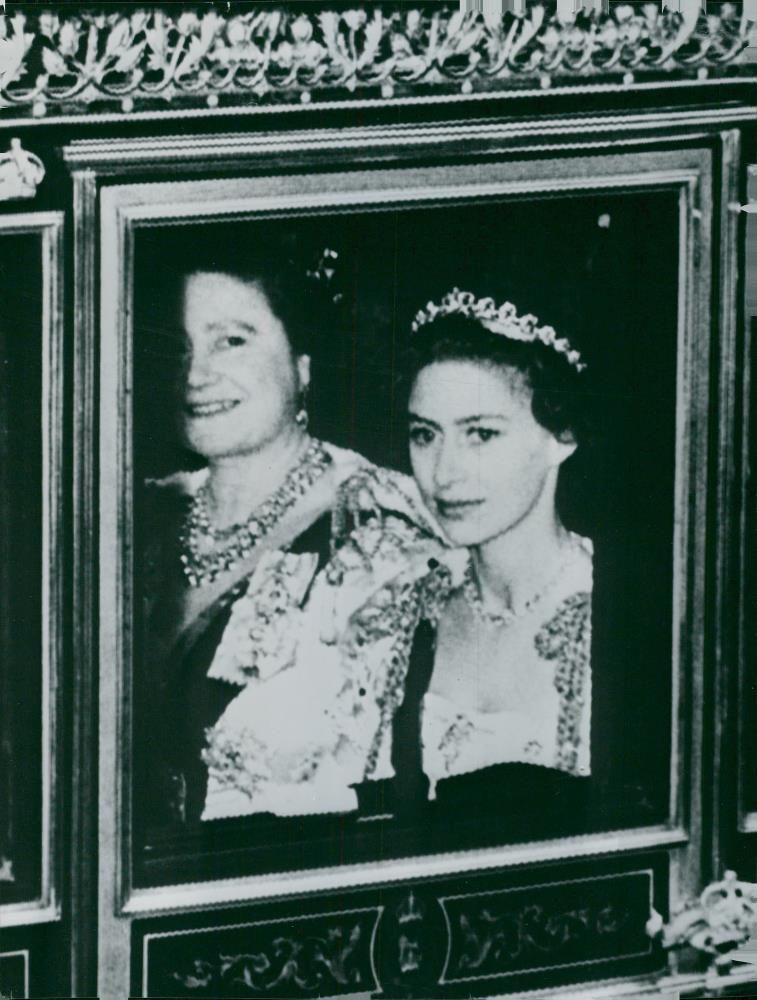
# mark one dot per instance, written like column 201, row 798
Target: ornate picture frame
column 125, row 208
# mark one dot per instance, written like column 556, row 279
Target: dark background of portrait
column 603, row 270
column 20, row 562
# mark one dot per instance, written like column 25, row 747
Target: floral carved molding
column 20, row 174
column 174, row 57
column 715, row 924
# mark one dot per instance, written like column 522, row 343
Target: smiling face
column 242, row 379
column 480, row 458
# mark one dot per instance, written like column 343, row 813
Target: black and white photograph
column 405, row 544
column 377, row 499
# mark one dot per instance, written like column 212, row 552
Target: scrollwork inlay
column 500, row 938
column 521, row 931
column 332, row 959
column 161, row 57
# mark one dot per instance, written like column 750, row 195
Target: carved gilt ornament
column 178, row 57
column 715, row 924
column 20, row 172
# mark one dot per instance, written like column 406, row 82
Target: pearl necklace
column 232, row 544
column 471, row 590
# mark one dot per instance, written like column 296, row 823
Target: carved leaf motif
column 54, row 63
column 355, row 19
column 12, row 52
column 329, row 22
column 49, row 24
column 156, row 41
column 68, row 39
column 128, row 61
column 138, row 21
column 400, row 45
column 529, row 29
column 187, row 23
column 414, row 22
column 373, row 35
column 465, row 42
column 118, row 38
column 211, row 24
column 455, row 23
column 272, row 24
column 196, row 53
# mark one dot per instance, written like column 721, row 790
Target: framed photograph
column 600, row 262
column 30, row 558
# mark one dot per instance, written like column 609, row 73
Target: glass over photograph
column 404, row 522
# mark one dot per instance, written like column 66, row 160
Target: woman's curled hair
column 557, row 387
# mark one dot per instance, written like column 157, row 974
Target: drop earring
column 302, row 418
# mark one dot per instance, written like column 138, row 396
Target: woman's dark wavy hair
column 558, row 395
column 277, row 262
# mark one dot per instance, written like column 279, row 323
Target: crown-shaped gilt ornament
column 503, row 320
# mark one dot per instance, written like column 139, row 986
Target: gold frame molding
column 109, row 198
column 49, row 226
column 124, row 207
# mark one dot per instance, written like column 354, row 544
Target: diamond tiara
column 503, row 320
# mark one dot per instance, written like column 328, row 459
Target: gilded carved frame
column 167, row 63
column 49, row 227
column 127, row 206
column 694, row 838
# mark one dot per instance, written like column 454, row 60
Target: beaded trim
column 566, row 638
column 501, row 618
column 503, row 320
column 235, row 543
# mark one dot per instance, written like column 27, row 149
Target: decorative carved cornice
column 265, row 55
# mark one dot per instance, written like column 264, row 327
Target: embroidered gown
column 305, row 691
column 186, row 684
column 424, row 753
column 572, row 769
column 373, row 740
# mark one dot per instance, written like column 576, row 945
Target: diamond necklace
column 471, row 589
column 232, row 544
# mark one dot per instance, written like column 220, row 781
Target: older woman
column 233, row 549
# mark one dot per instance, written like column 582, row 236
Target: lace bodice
column 555, row 733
